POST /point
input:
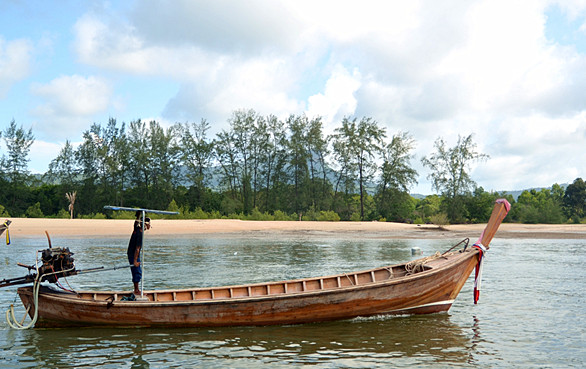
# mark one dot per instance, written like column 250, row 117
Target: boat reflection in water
column 375, row 340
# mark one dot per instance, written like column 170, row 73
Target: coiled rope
column 416, row 266
column 11, row 318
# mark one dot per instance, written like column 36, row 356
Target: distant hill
column 515, row 193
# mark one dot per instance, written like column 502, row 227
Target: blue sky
column 511, row 73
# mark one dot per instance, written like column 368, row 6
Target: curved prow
column 499, row 212
column 48, row 238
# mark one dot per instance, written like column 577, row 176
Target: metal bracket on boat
column 465, row 240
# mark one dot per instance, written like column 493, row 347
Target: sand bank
column 24, row 227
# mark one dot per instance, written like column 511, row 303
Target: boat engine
column 57, row 262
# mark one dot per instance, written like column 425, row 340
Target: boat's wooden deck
column 257, row 290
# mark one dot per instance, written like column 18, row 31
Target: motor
column 56, row 263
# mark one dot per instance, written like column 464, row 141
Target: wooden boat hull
column 387, row 290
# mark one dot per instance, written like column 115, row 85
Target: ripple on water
column 531, row 311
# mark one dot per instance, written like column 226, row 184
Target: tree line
column 262, row 167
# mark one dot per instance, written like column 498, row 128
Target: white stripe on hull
column 439, row 303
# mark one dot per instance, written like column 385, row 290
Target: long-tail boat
column 422, row 286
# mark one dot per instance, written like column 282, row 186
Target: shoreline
column 109, row 228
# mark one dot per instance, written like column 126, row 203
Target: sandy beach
column 26, row 227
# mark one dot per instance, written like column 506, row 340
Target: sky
column 511, row 73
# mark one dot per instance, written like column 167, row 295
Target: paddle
column 499, row 212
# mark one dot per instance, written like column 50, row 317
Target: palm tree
column 71, row 197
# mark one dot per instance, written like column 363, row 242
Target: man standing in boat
column 134, row 247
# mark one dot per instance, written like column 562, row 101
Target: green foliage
column 355, row 217
column 268, row 169
column 428, row 207
column 357, row 146
column 396, row 170
column 199, row 214
column 449, row 173
column 97, row 216
column 173, row 206
column 440, row 219
column 3, row 212
column 231, row 205
column 280, row 215
column 479, row 205
column 120, row 215
column 14, row 168
column 321, row 216
column 395, row 206
column 63, row 214
column 542, row 206
column 34, row 211
column 574, row 200
column 328, row 216
column 257, row 215
column 196, row 152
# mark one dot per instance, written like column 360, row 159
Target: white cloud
column 110, row 45
column 42, row 153
column 70, row 100
column 432, row 68
column 253, row 84
column 536, row 150
column 74, row 95
column 221, row 27
column 14, row 63
column 338, row 98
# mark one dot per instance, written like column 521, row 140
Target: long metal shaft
column 31, row 277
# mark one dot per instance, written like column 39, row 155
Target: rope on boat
column 416, row 266
column 11, row 318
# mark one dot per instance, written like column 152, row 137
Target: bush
column 63, row 214
column 257, row 215
column 440, row 219
column 355, row 217
column 199, row 214
column 418, row 220
column 117, row 215
column 3, row 212
column 328, row 216
column 280, row 215
column 34, row 211
column 98, row 216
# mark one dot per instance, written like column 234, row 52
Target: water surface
column 531, row 311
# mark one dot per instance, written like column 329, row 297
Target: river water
column 531, row 312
